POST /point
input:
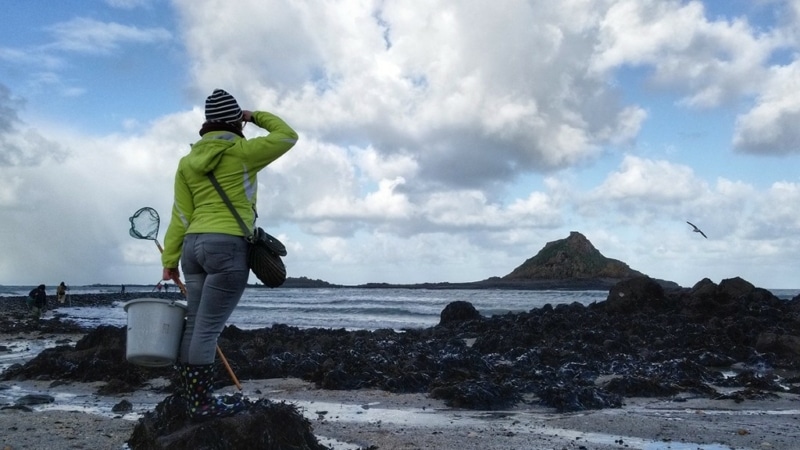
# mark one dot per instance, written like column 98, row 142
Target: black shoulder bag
column 264, row 251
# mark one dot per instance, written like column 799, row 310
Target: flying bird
column 697, row 230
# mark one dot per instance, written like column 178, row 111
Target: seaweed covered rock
column 482, row 395
column 265, row 425
column 636, row 295
column 98, row 356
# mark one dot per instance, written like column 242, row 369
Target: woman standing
column 207, row 240
column 61, row 293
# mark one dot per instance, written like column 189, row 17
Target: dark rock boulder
column 636, row 295
column 457, row 312
column 477, row 395
column 735, row 288
column 702, row 298
column 124, row 406
column 731, row 298
column 778, row 343
column 578, row 398
column 35, row 399
column 265, row 425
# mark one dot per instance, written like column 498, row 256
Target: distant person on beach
column 122, row 289
column 61, row 293
column 37, row 300
column 206, row 239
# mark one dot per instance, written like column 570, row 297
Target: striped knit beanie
column 222, row 107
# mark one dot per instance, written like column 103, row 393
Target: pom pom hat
column 222, row 107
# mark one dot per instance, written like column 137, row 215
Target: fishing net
column 144, row 225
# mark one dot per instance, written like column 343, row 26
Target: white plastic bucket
column 154, row 333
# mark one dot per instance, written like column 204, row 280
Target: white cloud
column 128, row 4
column 85, row 35
column 9, row 191
column 639, row 179
column 380, row 167
column 712, row 60
column 775, row 216
column 21, row 146
column 30, row 57
column 770, row 127
column 472, row 210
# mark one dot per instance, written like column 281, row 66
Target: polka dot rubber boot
column 200, row 400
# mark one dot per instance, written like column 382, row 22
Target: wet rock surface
column 730, row 340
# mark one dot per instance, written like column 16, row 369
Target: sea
column 350, row 308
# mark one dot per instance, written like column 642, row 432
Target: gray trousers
column 216, row 273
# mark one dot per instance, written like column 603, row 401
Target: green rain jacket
column 235, row 161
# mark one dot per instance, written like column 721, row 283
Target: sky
column 440, row 140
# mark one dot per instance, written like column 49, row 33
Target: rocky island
column 569, row 263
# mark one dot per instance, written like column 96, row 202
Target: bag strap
column 248, row 233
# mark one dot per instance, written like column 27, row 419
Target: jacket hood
column 207, row 152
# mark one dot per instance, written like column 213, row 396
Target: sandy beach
column 351, row 419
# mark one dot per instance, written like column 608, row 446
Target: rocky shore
column 730, row 343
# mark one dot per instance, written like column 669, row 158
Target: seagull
column 697, row 230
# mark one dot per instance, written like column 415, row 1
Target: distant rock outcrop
column 573, row 257
column 572, row 264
